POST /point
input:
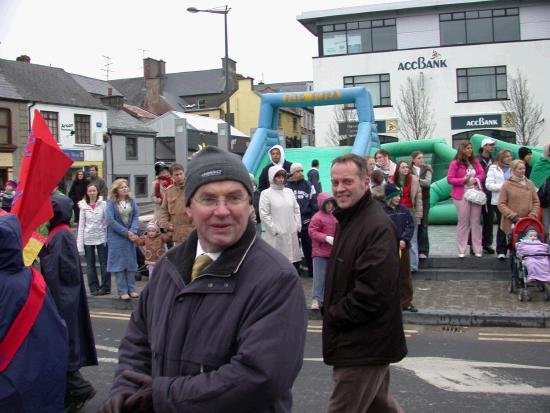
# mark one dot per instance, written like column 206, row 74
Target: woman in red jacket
column 466, row 172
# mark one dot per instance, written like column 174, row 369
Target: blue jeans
column 91, row 271
column 259, row 230
column 319, row 271
column 413, row 251
column 125, row 282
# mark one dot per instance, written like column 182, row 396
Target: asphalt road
column 447, row 369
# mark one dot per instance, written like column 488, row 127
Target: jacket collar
column 345, row 215
column 225, row 266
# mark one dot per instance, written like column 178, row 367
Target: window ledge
column 482, row 100
column 7, row 148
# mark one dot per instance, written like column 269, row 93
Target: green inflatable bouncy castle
column 437, row 153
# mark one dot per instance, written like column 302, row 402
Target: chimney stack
column 23, row 58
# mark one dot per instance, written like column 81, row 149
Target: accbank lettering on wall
column 434, row 62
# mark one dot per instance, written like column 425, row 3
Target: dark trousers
column 405, row 280
column 362, row 389
column 502, row 244
column 78, row 388
column 91, row 271
column 423, row 241
column 487, row 222
column 305, row 241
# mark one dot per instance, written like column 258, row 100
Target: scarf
column 521, row 181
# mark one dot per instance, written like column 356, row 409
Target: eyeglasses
column 230, row 201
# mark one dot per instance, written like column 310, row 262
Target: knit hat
column 12, row 182
column 295, row 166
column 523, row 152
column 151, row 226
column 213, row 164
column 531, row 229
column 390, row 190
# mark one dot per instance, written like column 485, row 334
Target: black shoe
column 472, row 252
column 411, row 308
column 94, row 292
column 74, row 404
column 102, row 291
column 488, row 250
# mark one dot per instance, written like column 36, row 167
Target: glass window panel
column 512, row 12
column 385, row 89
column 462, row 84
column 502, row 95
column 506, row 28
column 458, row 16
column 385, row 102
column 334, row 43
column 339, row 27
column 479, row 31
column 374, row 89
column 452, row 32
column 377, row 23
column 476, row 71
column 4, row 135
column 472, row 14
column 4, row 118
column 461, row 72
column 499, row 12
column 358, row 41
column 485, row 13
column 366, row 79
column 364, row 25
column 384, row 38
column 328, row 28
column 501, row 82
column 445, row 17
column 481, row 88
column 462, row 96
column 501, row 69
column 385, row 77
column 389, row 22
column 348, row 80
column 352, row 26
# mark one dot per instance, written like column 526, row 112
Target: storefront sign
column 434, row 62
column 75, row 154
column 67, row 126
column 382, row 126
column 476, row 122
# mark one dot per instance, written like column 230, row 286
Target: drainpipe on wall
column 29, row 107
column 112, row 157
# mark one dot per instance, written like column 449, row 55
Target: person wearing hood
column 280, row 215
column 30, row 381
column 277, row 157
column 306, row 197
column 525, row 154
column 60, row 263
column 92, row 236
column 322, row 229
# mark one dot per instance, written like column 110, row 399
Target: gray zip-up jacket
column 232, row 340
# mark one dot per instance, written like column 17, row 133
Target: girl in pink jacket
column 466, row 172
column 321, row 231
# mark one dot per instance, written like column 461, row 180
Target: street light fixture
column 221, row 10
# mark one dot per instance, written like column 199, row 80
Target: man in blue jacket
column 221, row 326
column 33, row 378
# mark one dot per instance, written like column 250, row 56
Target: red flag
column 44, row 164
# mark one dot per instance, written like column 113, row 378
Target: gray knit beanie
column 212, row 164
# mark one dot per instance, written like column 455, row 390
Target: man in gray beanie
column 221, row 326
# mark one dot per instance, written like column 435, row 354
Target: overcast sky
column 264, row 36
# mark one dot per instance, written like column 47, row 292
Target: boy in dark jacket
column 8, row 194
column 404, row 222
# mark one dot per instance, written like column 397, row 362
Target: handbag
column 475, row 196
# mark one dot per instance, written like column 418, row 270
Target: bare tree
column 416, row 119
column 526, row 119
column 341, row 114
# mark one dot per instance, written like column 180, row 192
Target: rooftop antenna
column 143, row 52
column 107, row 69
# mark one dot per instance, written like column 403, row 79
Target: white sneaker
column 422, row 256
column 501, row 256
column 315, row 305
column 460, row 255
column 478, row 255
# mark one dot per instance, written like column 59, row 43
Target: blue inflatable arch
column 267, row 133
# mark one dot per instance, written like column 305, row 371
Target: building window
column 294, row 124
column 131, row 149
column 201, row 104
column 378, row 86
column 82, row 128
column 52, row 119
column 481, row 83
column 5, row 127
column 358, row 37
column 140, row 185
column 479, row 26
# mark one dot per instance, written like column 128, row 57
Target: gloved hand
column 142, row 400
column 515, row 219
column 329, row 240
column 114, row 404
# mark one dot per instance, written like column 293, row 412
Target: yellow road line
column 513, row 335
column 515, row 340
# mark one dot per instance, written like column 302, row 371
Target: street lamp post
column 221, row 10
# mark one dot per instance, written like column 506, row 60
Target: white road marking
column 467, row 376
column 513, row 335
column 107, row 360
column 106, row 348
column 515, row 339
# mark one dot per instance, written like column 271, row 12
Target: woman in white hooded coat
column 280, row 216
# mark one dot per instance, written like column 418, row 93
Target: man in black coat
column 60, row 263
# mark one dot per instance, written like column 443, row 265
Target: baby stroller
column 521, row 281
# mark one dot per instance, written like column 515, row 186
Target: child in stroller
column 533, row 259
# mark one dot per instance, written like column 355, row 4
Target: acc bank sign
column 434, row 62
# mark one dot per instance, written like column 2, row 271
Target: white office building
column 464, row 55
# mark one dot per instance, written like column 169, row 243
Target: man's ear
column 189, row 213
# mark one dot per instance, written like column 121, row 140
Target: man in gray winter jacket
column 216, row 329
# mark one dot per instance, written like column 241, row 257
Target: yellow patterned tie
column 200, row 263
